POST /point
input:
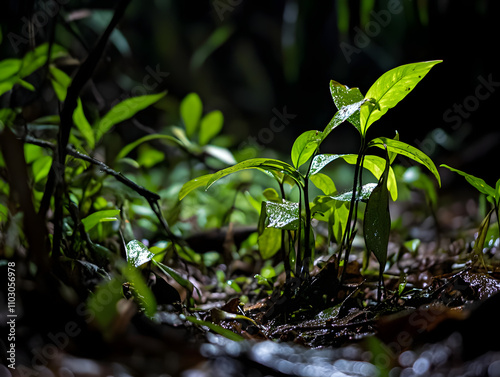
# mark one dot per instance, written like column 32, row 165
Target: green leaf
column 138, row 253
column 269, row 242
column 376, row 166
column 142, row 294
column 130, row 147
column 174, row 275
column 191, row 109
column 100, row 216
column 481, row 236
column 365, row 193
column 41, row 168
column 105, row 311
column 304, row 147
column 320, row 161
column 283, row 215
column 478, row 183
column 408, row 151
column 194, row 184
column 343, row 96
column 257, row 163
column 83, row 124
column 211, row 125
column 340, row 116
column 216, row 328
column 222, row 154
column 123, row 111
column 391, row 88
column 377, row 221
column 324, row 183
column 9, row 68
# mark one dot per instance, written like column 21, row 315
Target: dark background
column 250, row 57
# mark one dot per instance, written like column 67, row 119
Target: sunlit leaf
column 83, row 124
column 304, row 147
column 392, row 87
column 363, row 195
column 320, row 161
column 222, row 154
column 210, row 126
column 269, row 242
column 324, row 183
column 124, row 110
column 407, row 150
column 256, row 163
column 174, row 275
column 194, row 184
column 41, row 168
column 340, row 116
column 100, row 216
column 478, row 183
column 343, row 96
column 142, row 294
column 191, row 109
column 284, row 215
column 138, row 253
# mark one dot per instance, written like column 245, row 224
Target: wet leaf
column 138, row 253
column 320, row 161
column 340, row 116
column 283, row 215
column 216, row 328
column 342, row 96
column 193, row 184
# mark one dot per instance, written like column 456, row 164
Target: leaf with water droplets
column 138, row 253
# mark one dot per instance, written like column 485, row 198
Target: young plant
column 295, row 217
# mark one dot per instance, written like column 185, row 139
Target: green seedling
column 294, row 218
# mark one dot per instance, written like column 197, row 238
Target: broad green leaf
column 497, row 190
column 257, row 163
column 191, row 109
column 9, row 68
column 36, row 58
column 142, row 294
column 377, row 221
column 83, row 124
column 60, row 82
column 391, row 88
column 130, row 147
column 100, row 216
column 324, row 183
column 320, row 161
column 271, row 194
column 343, row 96
column 376, row 166
column 194, row 184
column 211, row 125
column 284, row 215
column 41, row 168
column 477, row 183
column 407, row 150
column 216, row 328
column 138, row 253
column 123, row 111
column 340, row 116
column 338, row 220
column 304, row 147
column 269, row 242
column 363, row 195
